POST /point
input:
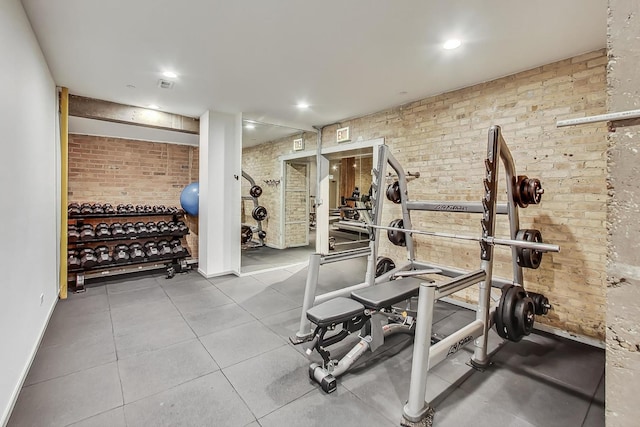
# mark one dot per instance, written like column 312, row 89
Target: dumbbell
column 117, row 230
column 182, row 227
column 102, row 253
column 97, row 208
column 121, row 209
column 139, row 209
column 102, row 230
column 151, row 250
column 88, row 258
column 130, row 208
column 173, row 228
column 152, row 229
column 73, row 260
column 163, row 228
column 121, row 253
column 148, row 209
column 141, row 229
column 172, row 210
column 160, row 208
column 129, row 229
column 135, row 252
column 85, row 209
column 164, row 248
column 73, row 209
column 73, row 234
column 176, row 247
column 87, row 233
column 108, row 209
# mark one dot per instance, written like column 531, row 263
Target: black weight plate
column 393, row 192
column 500, row 329
column 508, row 311
column 255, row 191
column 259, row 213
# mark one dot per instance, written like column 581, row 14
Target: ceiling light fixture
column 249, row 126
column 153, row 106
column 452, row 44
column 303, row 105
column 170, row 74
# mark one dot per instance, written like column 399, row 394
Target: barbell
column 537, row 246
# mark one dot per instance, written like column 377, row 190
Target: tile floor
column 147, row 351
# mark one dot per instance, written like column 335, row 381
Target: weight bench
column 366, row 311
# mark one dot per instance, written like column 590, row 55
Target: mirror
column 277, row 189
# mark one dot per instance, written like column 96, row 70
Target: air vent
column 165, row 84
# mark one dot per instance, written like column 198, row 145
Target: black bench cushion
column 386, row 294
column 337, row 310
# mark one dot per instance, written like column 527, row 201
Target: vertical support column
column 488, row 222
column 219, row 199
column 416, row 408
column 322, row 205
column 64, row 180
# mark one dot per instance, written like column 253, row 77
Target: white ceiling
column 343, row 58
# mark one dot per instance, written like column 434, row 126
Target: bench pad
column 386, row 294
column 337, row 310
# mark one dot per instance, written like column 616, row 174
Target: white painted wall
column 219, row 200
column 29, row 197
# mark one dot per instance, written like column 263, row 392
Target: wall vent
column 165, row 84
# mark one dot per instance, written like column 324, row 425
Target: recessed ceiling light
column 303, row 105
column 452, row 44
column 170, row 74
column 153, row 106
column 249, row 126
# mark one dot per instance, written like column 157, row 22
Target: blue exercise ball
column 189, row 198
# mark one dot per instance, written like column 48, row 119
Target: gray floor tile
column 128, row 284
column 67, row 328
column 596, row 414
column 241, row 288
column 58, row 360
column 270, row 381
column 268, row 302
column 68, row 399
column 241, row 343
column 461, row 408
column 133, row 317
column 89, row 302
column 273, row 277
column 384, row 384
column 159, row 370
column 112, row 418
column 317, row 408
column 185, row 287
column 221, row 318
column 138, row 297
column 148, row 337
column 284, row 324
column 201, row 302
column 576, row 365
column 206, row 401
column 451, row 323
column 524, row 395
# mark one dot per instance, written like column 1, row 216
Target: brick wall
column 114, row 170
column 444, row 138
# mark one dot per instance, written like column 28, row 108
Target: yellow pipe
column 64, row 172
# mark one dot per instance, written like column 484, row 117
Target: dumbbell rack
column 77, row 276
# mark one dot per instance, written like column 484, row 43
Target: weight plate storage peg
column 529, row 258
column 393, row 192
column 397, row 237
column 255, row 191
column 259, row 213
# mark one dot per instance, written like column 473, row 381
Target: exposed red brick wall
column 114, row 170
